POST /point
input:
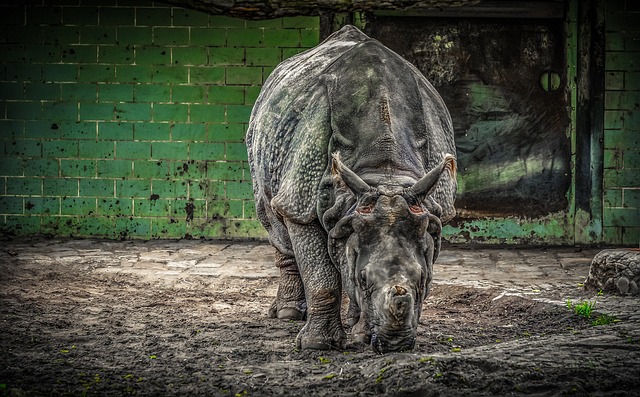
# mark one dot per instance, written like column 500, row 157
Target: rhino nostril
column 400, row 291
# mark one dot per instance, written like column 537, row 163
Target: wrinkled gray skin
column 348, row 148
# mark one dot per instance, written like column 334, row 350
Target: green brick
column 239, row 190
column 189, row 132
column 23, row 110
column 171, row 74
column 189, row 55
column 275, row 23
column 115, row 207
column 632, row 80
column 153, row 16
column 42, row 167
column 23, row 72
column 22, row 225
column 207, row 113
column 152, row 131
column 184, row 17
column 44, row 53
column 226, row 132
column 282, row 38
column 77, row 130
column 98, row 35
column 152, row 93
column 621, row 217
column 24, row 148
column 59, row 149
column 226, row 94
column 10, row 129
column 134, row 74
column 206, row 151
column 137, row 35
column 612, row 158
column 96, row 149
column 220, row 21
column 59, row 73
column 631, row 236
column 238, row 113
column 263, row 56
column 309, row 38
column 150, row 169
column 621, row 139
column 208, row 37
column 77, row 206
column 244, row 37
column 115, row 54
column 301, row 22
column 133, row 150
column 621, row 178
column 96, row 187
column 24, row 35
column 631, row 199
column 133, row 111
column 42, row 205
column 12, row 91
column 244, row 75
column 133, row 188
column 236, row 152
column 97, row 111
column 60, row 187
column 170, row 112
column 74, row 54
column 226, row 56
column 12, row 53
column 60, row 34
column 11, row 166
column 167, row 228
column 170, row 150
column 117, row 16
column 79, row 91
column 11, row 205
column 114, row 169
column 153, row 55
column 60, row 111
column 166, row 189
column 79, row 168
column 96, row 73
column 146, row 207
column 631, row 159
column 80, row 16
column 249, row 209
column 189, row 94
column 225, row 171
column 24, row 186
column 115, row 92
column 207, row 75
column 614, row 81
column 245, row 229
column 188, row 169
column 613, row 120
column 219, row 208
column 251, row 95
column 170, row 36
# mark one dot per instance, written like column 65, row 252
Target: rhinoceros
column 351, row 151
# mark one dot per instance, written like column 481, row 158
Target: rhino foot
column 314, row 338
column 290, row 302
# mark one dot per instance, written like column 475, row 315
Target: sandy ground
column 90, row 317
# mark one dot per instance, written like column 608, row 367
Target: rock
column 615, row 271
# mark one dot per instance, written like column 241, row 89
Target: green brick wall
column 126, row 121
column 622, row 123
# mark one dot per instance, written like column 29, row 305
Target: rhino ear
column 342, row 173
column 425, row 185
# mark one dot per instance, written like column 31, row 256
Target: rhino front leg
column 290, row 302
column 323, row 329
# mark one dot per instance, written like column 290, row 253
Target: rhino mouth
column 397, row 341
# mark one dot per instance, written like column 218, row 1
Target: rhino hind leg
column 290, row 302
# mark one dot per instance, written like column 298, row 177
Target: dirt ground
column 75, row 326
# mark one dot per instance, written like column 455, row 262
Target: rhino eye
column 365, row 209
column 363, row 278
column 417, row 208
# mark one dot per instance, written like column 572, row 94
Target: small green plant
column 455, row 350
column 330, row 376
column 324, row 360
column 584, row 308
column 426, row 359
column 604, row 319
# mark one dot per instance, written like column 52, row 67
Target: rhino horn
column 424, row 186
column 353, row 181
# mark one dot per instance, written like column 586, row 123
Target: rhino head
column 387, row 243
